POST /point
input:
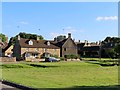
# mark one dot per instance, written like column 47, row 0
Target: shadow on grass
column 14, row 66
column 43, row 66
column 21, row 87
column 24, row 66
column 115, row 87
column 102, row 63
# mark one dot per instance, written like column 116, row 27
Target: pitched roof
column 36, row 44
column 91, row 48
column 7, row 46
column 3, row 45
column 61, row 43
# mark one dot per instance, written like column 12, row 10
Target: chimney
column 74, row 40
column 100, row 42
column 55, row 39
column 96, row 43
column 38, row 38
column 69, row 35
column 86, row 42
column 18, row 37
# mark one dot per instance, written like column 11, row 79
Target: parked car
column 51, row 59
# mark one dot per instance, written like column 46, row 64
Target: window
column 64, row 49
column 30, row 42
column 45, row 49
column 27, row 55
column 54, row 51
column 48, row 43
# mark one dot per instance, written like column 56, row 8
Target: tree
column 26, row 36
column 111, row 53
column 112, row 39
column 117, row 49
column 3, row 37
column 60, row 38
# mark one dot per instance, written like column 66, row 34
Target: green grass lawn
column 60, row 74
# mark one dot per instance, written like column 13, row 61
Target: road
column 7, row 87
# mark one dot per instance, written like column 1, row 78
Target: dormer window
column 30, row 42
column 48, row 43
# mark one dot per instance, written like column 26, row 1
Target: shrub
column 62, row 58
column 71, row 56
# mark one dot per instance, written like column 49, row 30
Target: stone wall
column 7, row 59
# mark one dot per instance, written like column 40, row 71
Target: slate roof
column 91, row 48
column 7, row 46
column 3, row 45
column 60, row 43
column 36, row 44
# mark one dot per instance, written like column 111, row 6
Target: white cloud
column 106, row 18
column 69, row 30
column 23, row 22
column 54, row 34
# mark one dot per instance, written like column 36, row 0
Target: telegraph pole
column 100, row 49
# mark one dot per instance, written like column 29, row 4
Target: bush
column 71, row 56
column 62, row 58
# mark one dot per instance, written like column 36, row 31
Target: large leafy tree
column 117, row 49
column 61, row 37
column 3, row 37
column 26, row 36
column 112, row 39
column 111, row 46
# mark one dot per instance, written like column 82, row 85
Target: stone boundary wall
column 72, row 60
column 32, row 60
column 7, row 59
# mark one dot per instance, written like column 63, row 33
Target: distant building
column 87, row 49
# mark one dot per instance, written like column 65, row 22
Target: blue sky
column 92, row 21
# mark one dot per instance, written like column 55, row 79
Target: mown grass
column 60, row 74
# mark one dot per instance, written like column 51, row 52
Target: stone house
column 67, row 46
column 8, row 51
column 3, row 45
column 28, row 49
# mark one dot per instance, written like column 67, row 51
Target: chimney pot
column 55, row 39
column 69, row 35
column 38, row 38
column 18, row 37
